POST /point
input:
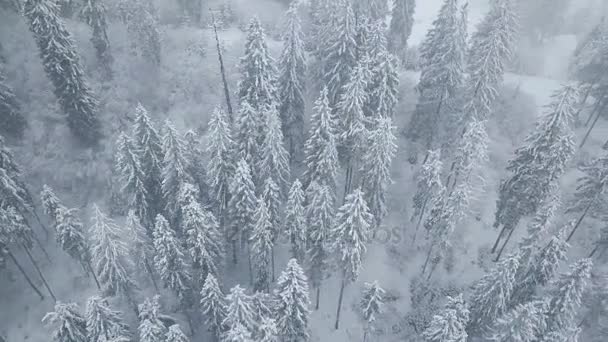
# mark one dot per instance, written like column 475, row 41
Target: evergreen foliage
column 213, row 305
column 12, row 121
column 295, row 222
column 93, row 12
column 240, row 312
column 132, row 177
column 173, row 172
column 220, row 166
column 103, row 323
column 69, row 324
column 151, row 328
column 450, row 324
column 274, row 158
column 242, row 203
column 292, row 304
column 262, row 245
column 402, row 20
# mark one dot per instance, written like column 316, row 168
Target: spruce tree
column 151, row 328
column 274, row 158
column 257, row 86
column 195, row 163
column 267, row 332
column 320, row 218
column 12, row 121
column 173, row 172
column 149, row 151
column 491, row 294
column 428, row 184
column 450, row 324
column 348, row 238
column 241, row 206
column 238, row 333
column 525, row 323
column 213, row 306
column 103, row 323
column 470, row 155
column 271, row 194
column 94, row 14
column 50, row 202
column 291, row 83
column 292, row 304
column 69, row 324
column 239, row 311
column 220, row 166
column 169, row 260
column 110, row 255
column 295, row 223
column 384, row 84
column 376, row 168
column 70, row 87
column 247, row 138
column 537, row 164
column 70, row 236
column 132, row 178
column 142, row 247
column 402, row 20
column 175, row 334
column 13, row 191
column 141, row 19
column 371, row 304
column 261, row 246
column 320, row 148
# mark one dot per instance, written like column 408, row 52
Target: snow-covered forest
column 303, row 170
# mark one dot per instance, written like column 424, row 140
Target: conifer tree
column 248, row 138
column 151, row 328
column 220, row 166
column 142, row 248
column 103, row 323
column 274, row 158
column 376, row 168
column 70, row 236
column 263, row 306
column 320, row 148
column 50, row 202
column 94, row 14
column 175, row 334
column 70, row 87
column 402, row 20
column 173, row 172
column 238, row 333
column 257, row 86
column 348, row 239
column 12, row 121
column 537, row 164
column 242, row 205
column 149, row 151
column 239, row 311
column 450, row 324
column 132, row 177
column 522, row 324
column 491, row 294
column 142, row 25
column 320, row 218
column 110, row 255
column 291, row 83
column 292, row 303
column 295, row 223
column 195, row 163
column 267, row 331
column 69, row 324
column 169, row 260
column 271, row 195
column 470, row 155
column 384, row 83
column 213, row 305
column 262, row 245
column 428, row 184
column 371, row 304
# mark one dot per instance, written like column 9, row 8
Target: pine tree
column 274, row 158
column 320, row 218
column 450, row 324
column 402, row 20
column 384, row 84
column 348, row 239
column 241, row 205
column 292, row 309
column 169, row 260
column 220, row 167
column 142, row 248
column 50, row 202
column 132, row 177
column 239, row 311
column 175, row 334
column 70, row 236
column 195, row 163
column 12, row 121
column 248, row 138
column 262, row 245
column 376, row 168
column 590, row 190
column 142, row 25
column 295, row 223
column 443, row 60
column 522, row 324
column 539, row 163
column 151, row 328
column 291, row 83
column 491, row 294
column 470, row 155
column 257, row 85
column 238, row 333
column 173, row 172
column 109, row 255
column 94, row 14
column 57, row 48
column 70, row 325
column 264, row 305
column 320, row 148
column 371, row 304
column 13, row 191
column 428, row 184
column 271, row 194
column 213, row 305
column 103, row 323
column 149, row 151
column 267, row 331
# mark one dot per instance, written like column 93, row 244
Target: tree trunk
column 347, row 181
column 426, row 200
column 593, row 112
column 222, row 70
column 597, row 117
column 428, row 257
column 595, row 249
column 317, row 300
column 250, row 266
column 234, row 258
column 151, row 274
column 583, row 101
column 29, row 255
column 580, row 219
column 272, row 262
column 342, row 285
column 27, row 278
column 39, row 243
column 502, row 232
column 504, row 244
column 88, row 263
